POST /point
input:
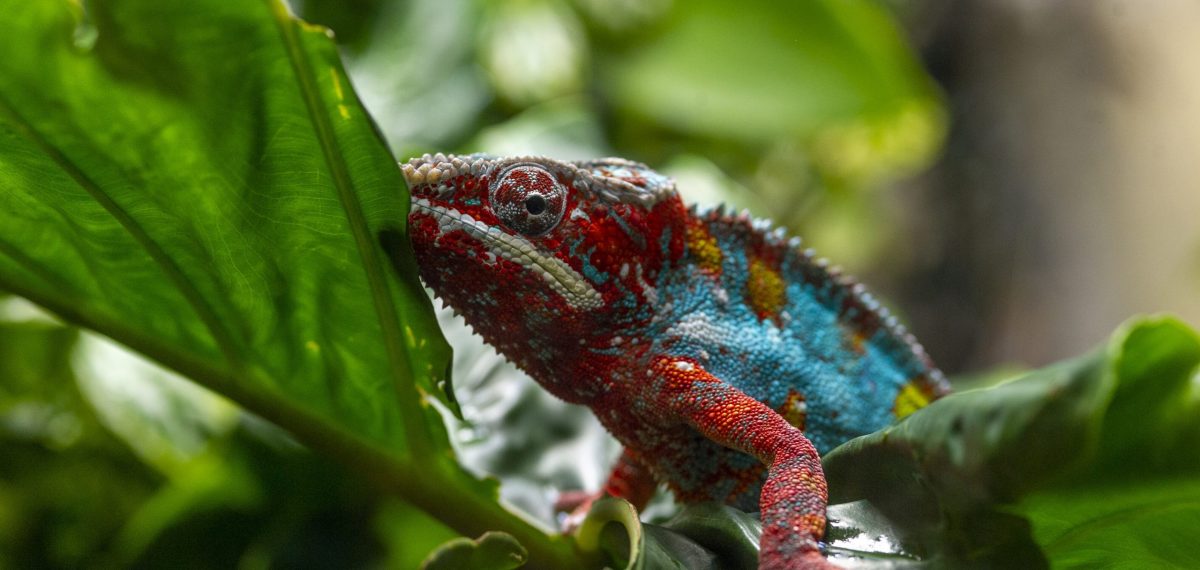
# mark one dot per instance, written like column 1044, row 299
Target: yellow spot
column 337, row 84
column 910, row 399
column 794, row 409
column 345, row 112
column 703, row 247
column 307, row 27
column 410, row 337
column 765, row 289
column 857, row 341
column 312, row 346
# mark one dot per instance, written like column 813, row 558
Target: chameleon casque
column 722, row 355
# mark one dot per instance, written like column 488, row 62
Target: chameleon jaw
column 561, row 278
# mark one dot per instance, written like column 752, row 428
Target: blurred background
column 1013, row 177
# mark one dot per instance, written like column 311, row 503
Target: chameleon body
column 722, row 355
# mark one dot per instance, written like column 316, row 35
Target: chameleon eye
column 535, row 204
column 528, row 199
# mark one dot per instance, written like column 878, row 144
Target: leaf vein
column 167, row 265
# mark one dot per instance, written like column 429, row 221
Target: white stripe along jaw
column 564, row 280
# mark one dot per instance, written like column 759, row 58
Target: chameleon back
column 587, row 274
column 769, row 318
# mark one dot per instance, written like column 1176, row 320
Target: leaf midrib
column 416, row 434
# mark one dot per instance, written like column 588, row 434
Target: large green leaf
column 207, row 190
column 199, row 182
column 1094, row 460
column 1138, row 500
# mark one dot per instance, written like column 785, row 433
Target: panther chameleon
column 721, row 354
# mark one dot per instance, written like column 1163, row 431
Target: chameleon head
column 536, row 252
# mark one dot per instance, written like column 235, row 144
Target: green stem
column 445, row 493
column 438, row 487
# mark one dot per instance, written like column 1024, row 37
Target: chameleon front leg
column 794, row 495
column 629, row 480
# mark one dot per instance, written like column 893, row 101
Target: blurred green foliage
column 51, row 514
column 200, row 182
column 799, row 112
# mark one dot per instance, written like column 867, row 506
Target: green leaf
column 492, row 551
column 701, row 536
column 730, row 534
column 859, row 531
column 837, row 74
column 1094, row 459
column 1140, row 524
column 612, row 529
column 220, row 218
column 200, row 182
column 1139, row 499
column 410, row 534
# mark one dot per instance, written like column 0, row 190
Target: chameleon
column 722, row 354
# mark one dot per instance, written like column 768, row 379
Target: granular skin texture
column 723, row 355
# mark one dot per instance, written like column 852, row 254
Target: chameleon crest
column 719, row 352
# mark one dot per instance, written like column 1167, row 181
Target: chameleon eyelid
column 516, row 211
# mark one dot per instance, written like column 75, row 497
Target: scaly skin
column 723, row 356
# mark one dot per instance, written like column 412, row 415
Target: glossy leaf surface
column 1086, row 461
column 199, row 182
column 212, row 195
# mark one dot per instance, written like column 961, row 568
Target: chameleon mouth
column 561, row 277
